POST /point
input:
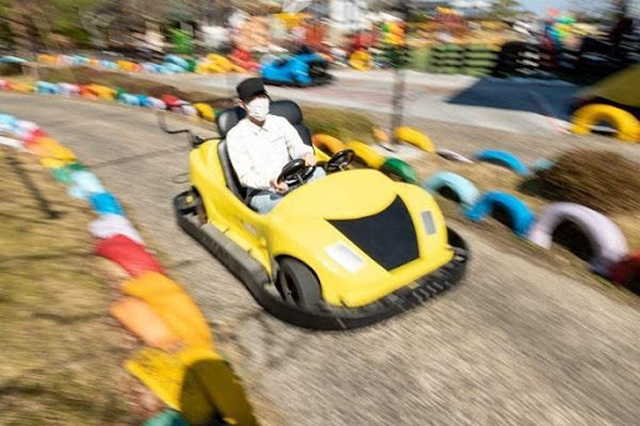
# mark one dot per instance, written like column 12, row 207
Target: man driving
column 261, row 144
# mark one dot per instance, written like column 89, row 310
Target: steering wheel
column 296, row 172
column 340, row 161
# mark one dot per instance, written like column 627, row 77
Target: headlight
column 345, row 257
column 429, row 225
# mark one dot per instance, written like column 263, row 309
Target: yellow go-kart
column 340, row 252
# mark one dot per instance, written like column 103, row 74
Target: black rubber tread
column 305, row 283
column 324, row 317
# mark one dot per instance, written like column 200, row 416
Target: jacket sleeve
column 295, row 146
column 248, row 175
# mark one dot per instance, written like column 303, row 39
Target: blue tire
column 176, row 60
column 464, row 189
column 522, row 218
column 129, row 99
column 106, row 203
column 503, row 158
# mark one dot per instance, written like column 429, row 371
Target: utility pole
column 398, row 57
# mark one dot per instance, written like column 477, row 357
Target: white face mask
column 258, row 108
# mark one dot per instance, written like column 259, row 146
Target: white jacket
column 258, row 154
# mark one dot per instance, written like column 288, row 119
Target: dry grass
column 602, row 180
column 343, row 124
column 62, row 354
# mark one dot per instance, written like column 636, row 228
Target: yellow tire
column 205, row 111
column 415, row 138
column 173, row 305
column 203, row 68
column 380, row 135
column 238, row 68
column 366, row 154
column 24, row 88
column 220, row 63
column 627, row 126
column 361, row 61
column 103, row 92
column 328, row 144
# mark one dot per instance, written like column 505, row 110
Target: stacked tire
column 480, row 60
column 518, row 58
column 447, row 59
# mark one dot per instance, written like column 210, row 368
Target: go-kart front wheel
column 297, row 284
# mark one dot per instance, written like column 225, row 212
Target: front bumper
column 324, row 317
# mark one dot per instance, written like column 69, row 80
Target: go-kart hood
column 346, row 195
column 363, row 234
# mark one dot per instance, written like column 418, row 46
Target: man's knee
column 264, row 203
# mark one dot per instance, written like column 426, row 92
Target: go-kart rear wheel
column 297, row 284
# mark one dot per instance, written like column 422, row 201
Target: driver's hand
column 310, row 160
column 280, row 187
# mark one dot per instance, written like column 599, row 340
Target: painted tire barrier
column 366, row 154
column 142, row 321
column 189, row 110
column 64, row 173
column 85, row 184
column 128, row 254
column 176, row 60
column 157, row 104
column 170, row 302
column 128, row 99
column 415, row 137
column 607, row 241
column 542, row 165
column 109, row 225
column 162, row 313
column 172, row 102
column 328, row 144
column 401, row 169
column 627, row 126
column 102, row 92
column 166, row 418
column 522, row 218
column 463, row 188
column 504, row 159
column 96, row 91
column 380, row 135
column 361, row 61
column 106, row 203
column 205, row 111
column 453, row 156
column 627, row 273
column 12, row 60
column 46, row 88
column 69, row 89
column 195, row 381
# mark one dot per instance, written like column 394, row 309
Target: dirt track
column 516, row 344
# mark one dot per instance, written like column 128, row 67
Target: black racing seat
column 230, row 117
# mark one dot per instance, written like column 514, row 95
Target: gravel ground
column 516, row 344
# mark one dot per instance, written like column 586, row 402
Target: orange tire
column 141, row 320
column 173, row 305
column 328, row 144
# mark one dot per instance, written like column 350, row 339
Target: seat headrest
column 230, row 117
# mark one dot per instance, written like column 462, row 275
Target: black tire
column 198, row 207
column 297, row 284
